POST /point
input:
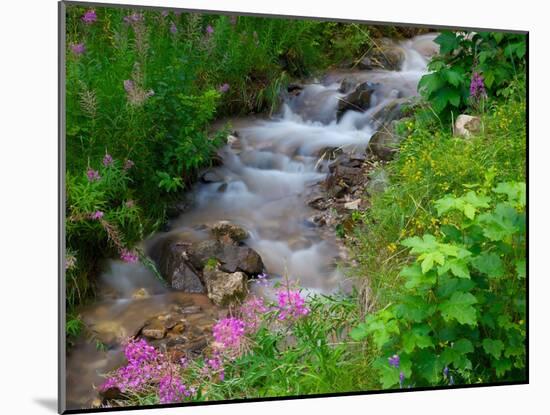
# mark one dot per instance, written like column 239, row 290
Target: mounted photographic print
column 256, row 207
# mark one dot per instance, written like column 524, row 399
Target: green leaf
column 416, row 278
column 459, row 308
column 516, row 192
column 421, row 245
column 502, row 366
column 493, row 347
column 521, row 268
column 414, row 308
column 489, row 264
column 453, row 77
column 417, row 338
column 429, row 259
column 456, row 354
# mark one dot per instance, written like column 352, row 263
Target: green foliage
column 498, row 57
column 307, row 357
column 463, row 307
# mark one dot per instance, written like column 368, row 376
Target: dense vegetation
column 142, row 91
column 441, row 252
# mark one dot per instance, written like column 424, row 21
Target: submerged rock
column 359, row 100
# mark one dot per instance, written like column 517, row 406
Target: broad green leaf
column 493, row 347
column 489, row 264
column 414, row 308
column 428, row 260
column 417, row 338
column 502, row 366
column 421, row 245
column 516, row 192
column 456, row 354
column 416, row 278
column 459, row 308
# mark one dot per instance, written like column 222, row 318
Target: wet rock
column 318, row 202
column 156, row 333
column 341, row 173
column 225, row 289
column 385, row 56
column 177, row 268
column 140, row 294
column 294, row 89
column 347, row 85
column 385, row 142
column 240, row 258
column 359, row 100
column 222, row 188
column 365, row 64
column 234, row 232
column 212, row 176
column 229, row 256
column 467, row 125
column 317, row 220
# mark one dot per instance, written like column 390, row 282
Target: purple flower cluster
column 108, row 160
column 146, row 367
column 78, row 48
column 89, row 17
column 173, row 28
column 133, row 18
column 93, row 175
column 401, row 379
column 223, row 88
column 290, row 304
column 171, row 389
column 477, row 86
column 262, row 280
column 98, row 214
column 209, row 30
column 229, row 332
column 128, row 256
column 251, row 313
column 128, row 164
column 214, row 366
column 394, row 361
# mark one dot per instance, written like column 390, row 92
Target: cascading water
column 267, row 176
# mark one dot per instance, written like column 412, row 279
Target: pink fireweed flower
column 93, row 175
column 133, row 18
column 229, row 332
column 89, row 17
column 223, row 88
column 172, row 390
column 128, row 256
column 290, row 304
column 251, row 312
column 477, row 86
column 128, row 85
column 78, row 48
column 209, row 30
column 98, row 214
column 128, row 164
column 108, row 160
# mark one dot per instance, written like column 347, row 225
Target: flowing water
column 269, row 171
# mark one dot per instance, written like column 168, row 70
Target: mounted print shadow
column 263, row 207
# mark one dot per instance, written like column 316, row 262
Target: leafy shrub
column 461, row 316
column 471, row 67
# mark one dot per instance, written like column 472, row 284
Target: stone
column 225, row 289
column 365, row 64
column 177, row 268
column 359, row 100
column 385, row 142
column 353, row 205
column 318, row 202
column 211, row 176
column 240, row 258
column 466, row 126
column 140, row 294
column 235, row 232
column 156, row 333
column 347, row 85
column 385, row 56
